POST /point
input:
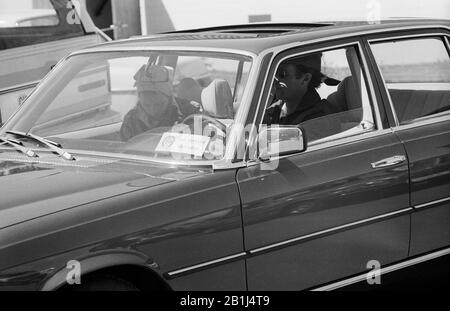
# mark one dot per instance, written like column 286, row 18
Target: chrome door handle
column 389, row 161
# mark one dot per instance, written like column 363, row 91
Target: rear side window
column 417, row 75
column 28, row 22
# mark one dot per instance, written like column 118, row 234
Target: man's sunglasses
column 283, row 73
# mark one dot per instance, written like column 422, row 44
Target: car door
column 338, row 208
column 417, row 87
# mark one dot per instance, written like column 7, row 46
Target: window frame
column 323, row 143
column 442, row 34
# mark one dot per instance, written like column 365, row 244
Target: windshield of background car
column 158, row 104
column 27, row 13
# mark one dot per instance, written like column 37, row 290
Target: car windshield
column 159, row 104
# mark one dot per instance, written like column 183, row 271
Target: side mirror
column 278, row 141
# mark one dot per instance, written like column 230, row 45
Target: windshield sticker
column 183, row 143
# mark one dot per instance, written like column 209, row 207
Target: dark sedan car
column 258, row 157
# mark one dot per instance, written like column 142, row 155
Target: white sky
column 204, row 13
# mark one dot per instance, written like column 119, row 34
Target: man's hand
column 276, row 87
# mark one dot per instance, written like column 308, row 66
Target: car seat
column 190, row 90
column 411, row 104
column 347, row 97
column 217, row 99
column 347, row 102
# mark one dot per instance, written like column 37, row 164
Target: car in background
column 34, row 36
column 29, row 18
column 219, row 198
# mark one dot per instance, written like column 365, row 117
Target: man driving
column 156, row 106
column 298, row 100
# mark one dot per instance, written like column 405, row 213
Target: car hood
column 32, row 189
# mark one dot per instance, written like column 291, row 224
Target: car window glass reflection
column 325, row 93
column 131, row 103
column 418, row 81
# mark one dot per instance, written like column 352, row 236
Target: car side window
column 418, row 81
column 325, row 93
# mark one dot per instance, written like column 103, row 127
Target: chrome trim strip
column 222, row 165
column 386, row 270
column 348, row 139
column 126, row 157
column 439, row 117
column 390, row 38
column 252, row 135
column 241, row 115
column 205, row 164
column 105, row 49
column 432, row 203
column 391, row 103
column 447, row 43
column 191, row 269
column 368, row 79
column 328, row 231
column 254, row 252
column 19, row 87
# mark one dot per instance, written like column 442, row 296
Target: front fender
column 98, row 261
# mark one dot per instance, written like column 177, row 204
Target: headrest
column 190, row 90
column 154, row 78
column 347, row 96
column 217, row 99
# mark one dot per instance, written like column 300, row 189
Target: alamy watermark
column 247, row 142
column 374, row 12
column 74, row 6
column 73, row 276
column 373, row 277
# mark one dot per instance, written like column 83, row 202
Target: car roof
column 255, row 38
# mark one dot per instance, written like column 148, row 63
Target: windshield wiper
column 55, row 147
column 16, row 145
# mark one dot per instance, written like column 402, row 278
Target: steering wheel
column 214, row 142
column 206, row 118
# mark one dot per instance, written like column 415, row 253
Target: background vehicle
column 34, row 36
column 307, row 208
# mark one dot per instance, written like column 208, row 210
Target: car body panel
column 426, row 141
column 51, row 189
column 428, row 149
column 317, row 191
column 172, row 221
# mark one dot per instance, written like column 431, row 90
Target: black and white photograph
column 224, row 151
